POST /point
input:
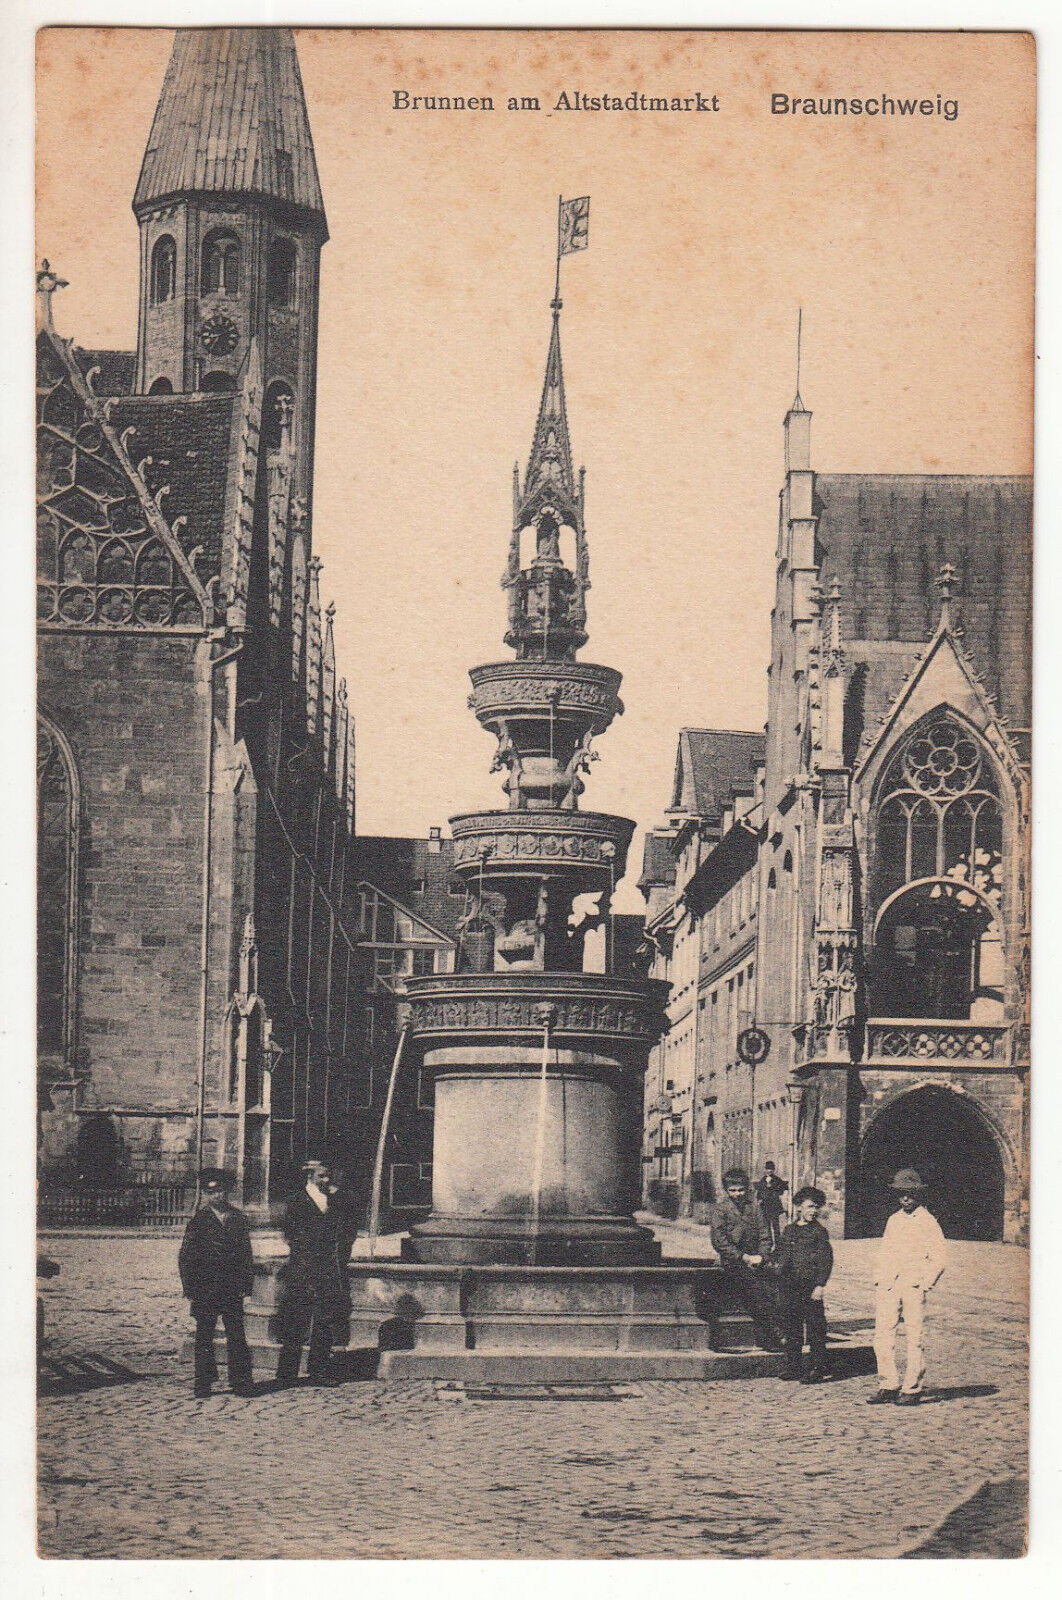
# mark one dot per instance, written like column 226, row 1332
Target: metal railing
column 138, row 1205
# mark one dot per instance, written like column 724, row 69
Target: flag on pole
column 574, row 226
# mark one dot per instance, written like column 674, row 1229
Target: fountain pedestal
column 538, row 1102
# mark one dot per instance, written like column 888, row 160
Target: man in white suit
column 911, row 1258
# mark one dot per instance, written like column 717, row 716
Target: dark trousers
column 302, row 1319
column 800, row 1311
column 206, row 1313
column 774, row 1222
column 756, row 1296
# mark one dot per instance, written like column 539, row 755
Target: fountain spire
column 534, row 1036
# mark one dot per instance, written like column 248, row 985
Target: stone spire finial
column 549, row 465
column 47, row 283
column 946, row 584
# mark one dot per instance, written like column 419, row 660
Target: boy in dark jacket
column 803, row 1262
column 217, row 1270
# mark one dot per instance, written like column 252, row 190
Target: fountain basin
column 534, row 1162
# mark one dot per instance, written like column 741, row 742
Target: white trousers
column 894, row 1302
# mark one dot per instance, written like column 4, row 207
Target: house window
column 163, row 270
column 221, row 263
column 423, row 963
column 57, row 813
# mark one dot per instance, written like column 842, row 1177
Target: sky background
column 907, row 243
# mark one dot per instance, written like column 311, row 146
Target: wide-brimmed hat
column 908, row 1180
column 216, row 1178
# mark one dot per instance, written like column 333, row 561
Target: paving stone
column 133, row 1466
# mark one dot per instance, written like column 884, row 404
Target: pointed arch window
column 163, row 270
column 938, row 878
column 57, row 817
column 221, row 263
column 281, row 273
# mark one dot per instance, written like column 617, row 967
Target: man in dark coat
column 769, row 1192
column 217, row 1270
column 741, row 1239
column 315, row 1294
column 803, row 1262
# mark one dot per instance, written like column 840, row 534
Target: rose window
column 942, row 761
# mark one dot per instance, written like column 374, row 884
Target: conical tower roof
column 231, row 119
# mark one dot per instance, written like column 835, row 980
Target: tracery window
column 939, row 814
column 938, row 879
column 56, row 886
column 221, row 263
column 163, row 270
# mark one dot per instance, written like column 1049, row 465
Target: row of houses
column 841, row 903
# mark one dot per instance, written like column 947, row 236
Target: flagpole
column 556, row 286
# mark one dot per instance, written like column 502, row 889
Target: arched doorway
column 946, row 1140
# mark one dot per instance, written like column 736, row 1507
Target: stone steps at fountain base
column 517, row 1366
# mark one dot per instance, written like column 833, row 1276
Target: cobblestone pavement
column 132, row 1466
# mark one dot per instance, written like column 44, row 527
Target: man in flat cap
column 741, row 1238
column 217, row 1270
column 911, row 1257
column 315, row 1294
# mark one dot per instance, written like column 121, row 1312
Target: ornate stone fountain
column 538, row 1062
column 531, row 1265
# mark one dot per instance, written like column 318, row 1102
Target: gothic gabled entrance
column 941, row 1135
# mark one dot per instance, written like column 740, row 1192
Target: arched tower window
column 277, row 412
column 57, row 816
column 161, row 386
column 221, row 263
column 163, row 270
column 937, row 879
column 218, row 383
column 281, row 273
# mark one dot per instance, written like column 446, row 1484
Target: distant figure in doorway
column 742, row 1241
column 217, row 1271
column 769, row 1192
column 803, row 1262
column 315, row 1295
column 911, row 1257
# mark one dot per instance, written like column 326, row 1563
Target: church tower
column 231, row 228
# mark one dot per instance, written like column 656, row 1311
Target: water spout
column 377, row 1171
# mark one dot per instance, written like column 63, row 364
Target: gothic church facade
column 199, row 977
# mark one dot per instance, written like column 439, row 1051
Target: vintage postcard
column 534, row 555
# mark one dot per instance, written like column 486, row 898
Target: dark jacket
column 216, row 1261
column 769, row 1192
column 804, row 1258
column 737, row 1233
column 316, row 1269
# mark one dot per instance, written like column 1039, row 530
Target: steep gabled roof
column 713, row 766
column 112, row 371
column 231, row 119
column 416, row 875
column 885, row 537
column 658, row 862
column 185, row 443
